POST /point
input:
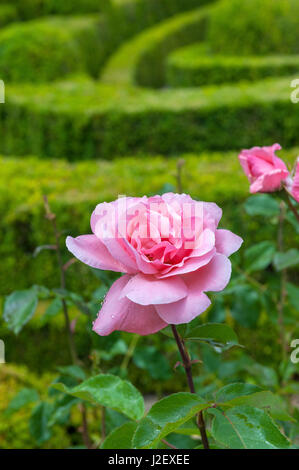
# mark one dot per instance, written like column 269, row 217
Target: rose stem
column 188, row 369
column 72, row 347
column 293, row 209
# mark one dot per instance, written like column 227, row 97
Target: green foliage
column 46, row 50
column 38, row 425
column 259, row 256
column 214, row 333
column 68, row 119
column 235, row 429
column 121, row 438
column 142, row 60
column 83, row 120
column 16, row 406
column 8, row 14
column 165, row 417
column 210, row 176
column 262, row 204
column 194, row 66
column 150, row 359
column 236, row 28
column 111, row 391
column 287, row 259
column 23, row 398
column 19, row 308
column 28, row 9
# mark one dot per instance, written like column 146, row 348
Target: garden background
column 132, row 97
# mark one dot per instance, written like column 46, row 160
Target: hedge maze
column 105, row 86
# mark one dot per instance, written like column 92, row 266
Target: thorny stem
column 188, row 369
column 72, row 347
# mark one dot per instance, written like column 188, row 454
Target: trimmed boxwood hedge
column 85, row 120
column 142, row 60
column 8, row 14
column 254, row 27
column 126, row 18
column 74, row 189
column 28, row 9
column 44, row 50
column 194, row 66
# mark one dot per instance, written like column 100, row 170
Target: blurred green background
column 103, row 97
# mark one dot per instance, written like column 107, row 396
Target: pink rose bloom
column 263, row 168
column 171, row 252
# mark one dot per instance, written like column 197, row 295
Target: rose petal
column 148, row 290
column 213, row 277
column 91, row 251
column 269, row 182
column 184, row 310
column 227, row 242
column 119, row 313
column 188, row 265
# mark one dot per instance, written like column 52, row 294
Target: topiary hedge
column 193, row 66
column 74, row 189
column 142, row 60
column 85, row 120
column 255, row 27
column 126, row 18
column 45, row 50
column 8, row 14
column 28, row 9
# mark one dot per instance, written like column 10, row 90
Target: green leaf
column 188, row 429
column 246, row 427
column 246, row 307
column 19, row 308
column 54, row 308
column 39, row 422
column 121, row 438
column 111, row 391
column 286, row 260
column 23, row 398
column 165, row 417
column 293, row 294
column 247, row 394
column 262, row 204
column 235, row 390
column 216, row 333
column 258, row 257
